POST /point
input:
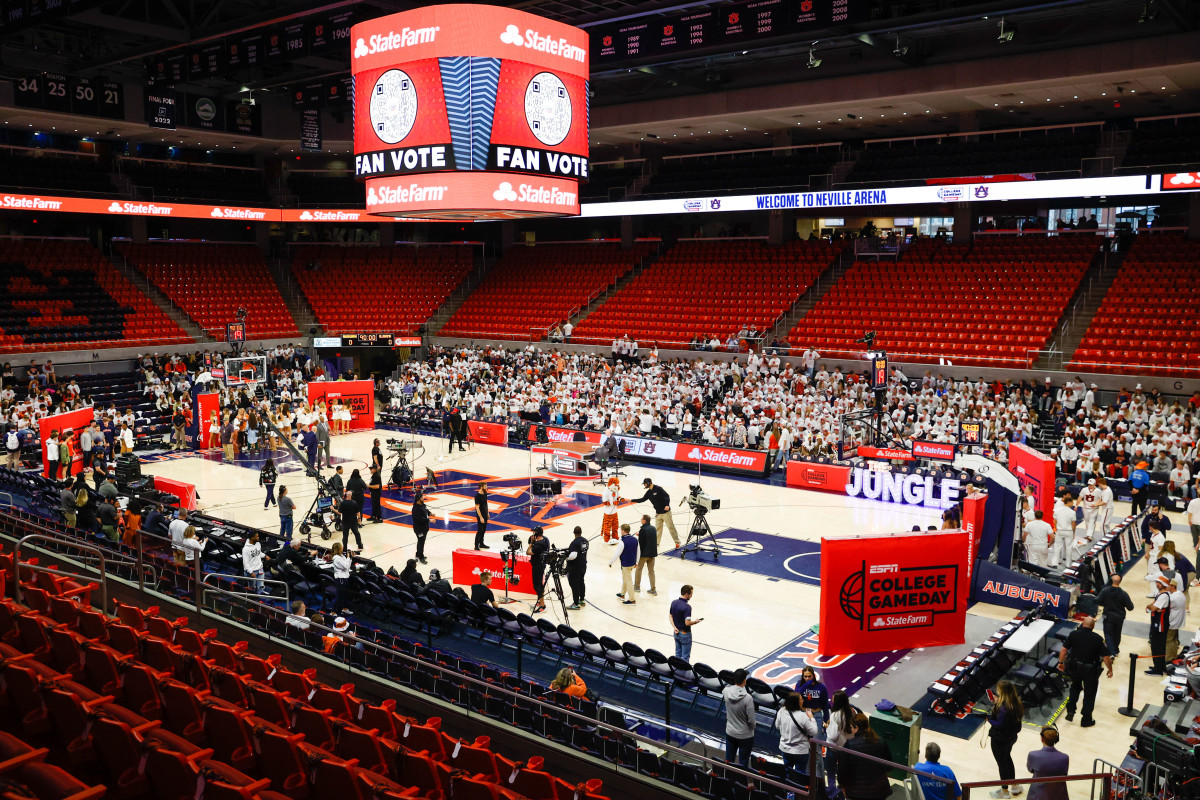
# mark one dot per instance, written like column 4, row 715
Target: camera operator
column 576, row 568
column 661, row 501
column 539, row 545
column 420, row 515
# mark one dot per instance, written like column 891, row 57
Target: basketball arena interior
column 554, row 400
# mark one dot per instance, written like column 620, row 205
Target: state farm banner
column 358, row 395
column 936, row 451
column 1037, row 470
column 72, row 422
column 554, row 434
column 487, row 432
column 893, row 591
column 726, row 458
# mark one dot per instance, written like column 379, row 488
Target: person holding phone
column 682, row 622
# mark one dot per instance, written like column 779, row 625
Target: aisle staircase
column 483, row 265
column 601, row 298
column 160, row 299
column 293, row 297
column 1080, row 311
column 807, row 301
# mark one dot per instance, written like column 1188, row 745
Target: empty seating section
column 606, row 179
column 706, row 288
column 379, row 288
column 143, row 705
column 1031, row 151
column 733, row 171
column 1150, row 316
column 60, row 294
column 326, row 190
column 198, row 182
column 533, row 288
column 54, row 173
column 992, row 304
column 1165, row 143
column 210, row 282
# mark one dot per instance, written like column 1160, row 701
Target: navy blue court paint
column 762, row 554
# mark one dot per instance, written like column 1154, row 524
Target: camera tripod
column 556, row 591
column 508, row 558
column 699, row 533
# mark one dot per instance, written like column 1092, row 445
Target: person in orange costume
column 612, row 496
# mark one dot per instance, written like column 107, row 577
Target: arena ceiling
column 910, row 67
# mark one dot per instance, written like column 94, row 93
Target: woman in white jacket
column 796, row 726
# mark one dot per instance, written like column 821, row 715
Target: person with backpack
column 267, row 477
column 796, row 727
column 12, row 446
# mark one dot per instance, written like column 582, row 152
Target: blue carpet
column 776, row 557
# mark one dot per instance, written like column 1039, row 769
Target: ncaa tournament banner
column 359, row 395
column 902, row 590
column 1036, row 470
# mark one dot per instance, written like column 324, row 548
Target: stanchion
column 1129, row 710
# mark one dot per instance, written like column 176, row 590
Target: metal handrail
column 127, row 561
column 1105, row 779
column 573, row 716
column 210, row 588
column 47, row 538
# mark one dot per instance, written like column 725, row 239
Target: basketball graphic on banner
column 548, row 108
column 851, row 597
column 393, row 106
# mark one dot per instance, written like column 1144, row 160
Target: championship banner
column 73, row 421
column 487, row 432
column 893, row 591
column 1036, row 470
column 358, row 395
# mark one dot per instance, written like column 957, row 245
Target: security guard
column 577, row 568
column 1083, row 655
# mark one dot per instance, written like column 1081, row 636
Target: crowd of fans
column 759, row 401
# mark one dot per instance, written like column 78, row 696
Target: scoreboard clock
column 235, row 332
column 970, row 433
column 879, row 371
column 367, row 340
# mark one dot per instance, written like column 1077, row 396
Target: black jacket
column 861, row 779
column 420, row 515
column 267, row 476
column 658, row 498
column 357, row 488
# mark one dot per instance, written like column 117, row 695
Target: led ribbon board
column 470, row 112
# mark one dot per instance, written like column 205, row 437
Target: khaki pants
column 69, row 516
column 228, row 448
column 180, row 439
column 648, row 563
column 627, row 582
column 1172, row 645
column 665, row 518
column 14, row 459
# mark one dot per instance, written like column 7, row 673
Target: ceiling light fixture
column 813, row 61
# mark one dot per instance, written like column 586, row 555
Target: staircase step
column 293, row 297
column 483, row 265
column 160, row 299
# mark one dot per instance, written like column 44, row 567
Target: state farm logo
column 414, row 193
column 115, row 208
column 543, row 44
column 1181, row 180
column 329, row 216
column 530, row 193
column 710, row 456
column 237, row 213
column 394, row 40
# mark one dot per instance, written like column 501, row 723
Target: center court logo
column 887, row 597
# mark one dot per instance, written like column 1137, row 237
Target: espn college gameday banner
column 359, row 395
column 74, row 421
column 893, row 591
column 487, row 432
column 1036, row 470
column 486, row 107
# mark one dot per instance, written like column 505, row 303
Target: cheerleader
column 345, row 417
column 214, row 431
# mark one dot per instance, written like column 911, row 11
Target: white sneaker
column 1000, row 794
column 1014, row 791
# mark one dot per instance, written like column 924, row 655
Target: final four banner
column 892, row 591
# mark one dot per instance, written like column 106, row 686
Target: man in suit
column 1046, row 763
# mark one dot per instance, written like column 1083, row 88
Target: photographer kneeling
column 537, row 549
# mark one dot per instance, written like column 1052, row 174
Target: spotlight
column 813, row 61
column 1005, row 35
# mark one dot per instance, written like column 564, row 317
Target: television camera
column 699, row 502
column 700, row 536
column 868, row 338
